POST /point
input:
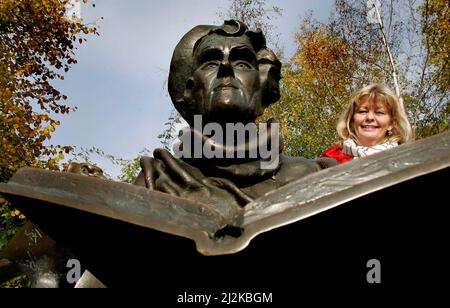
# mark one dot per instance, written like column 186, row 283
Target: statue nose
column 225, row 69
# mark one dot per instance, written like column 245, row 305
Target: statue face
column 226, row 84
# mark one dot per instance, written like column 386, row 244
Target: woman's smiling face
column 371, row 121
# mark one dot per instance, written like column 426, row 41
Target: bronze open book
column 41, row 194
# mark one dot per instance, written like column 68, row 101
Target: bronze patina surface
column 146, row 232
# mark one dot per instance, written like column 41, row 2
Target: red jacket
column 336, row 152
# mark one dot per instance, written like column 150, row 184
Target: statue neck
column 232, row 142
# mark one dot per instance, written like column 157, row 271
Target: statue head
column 224, row 73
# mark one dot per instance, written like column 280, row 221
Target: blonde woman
column 373, row 121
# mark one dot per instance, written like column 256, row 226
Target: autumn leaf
column 35, row 46
column 338, row 57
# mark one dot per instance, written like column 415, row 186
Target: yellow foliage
column 17, row 213
column 40, row 46
column 437, row 37
column 317, row 83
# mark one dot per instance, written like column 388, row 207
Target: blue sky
column 120, row 81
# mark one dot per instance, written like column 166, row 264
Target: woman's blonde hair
column 401, row 131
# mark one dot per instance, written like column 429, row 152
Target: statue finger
column 149, row 171
column 241, row 197
column 174, row 168
column 167, row 187
column 164, row 183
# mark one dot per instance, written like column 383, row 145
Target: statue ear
column 270, row 75
column 185, row 105
column 188, row 89
column 187, row 96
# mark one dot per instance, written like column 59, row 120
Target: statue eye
column 243, row 65
column 209, row 65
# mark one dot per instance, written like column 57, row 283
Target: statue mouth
column 225, row 86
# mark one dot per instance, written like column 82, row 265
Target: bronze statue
column 226, row 74
column 221, row 190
